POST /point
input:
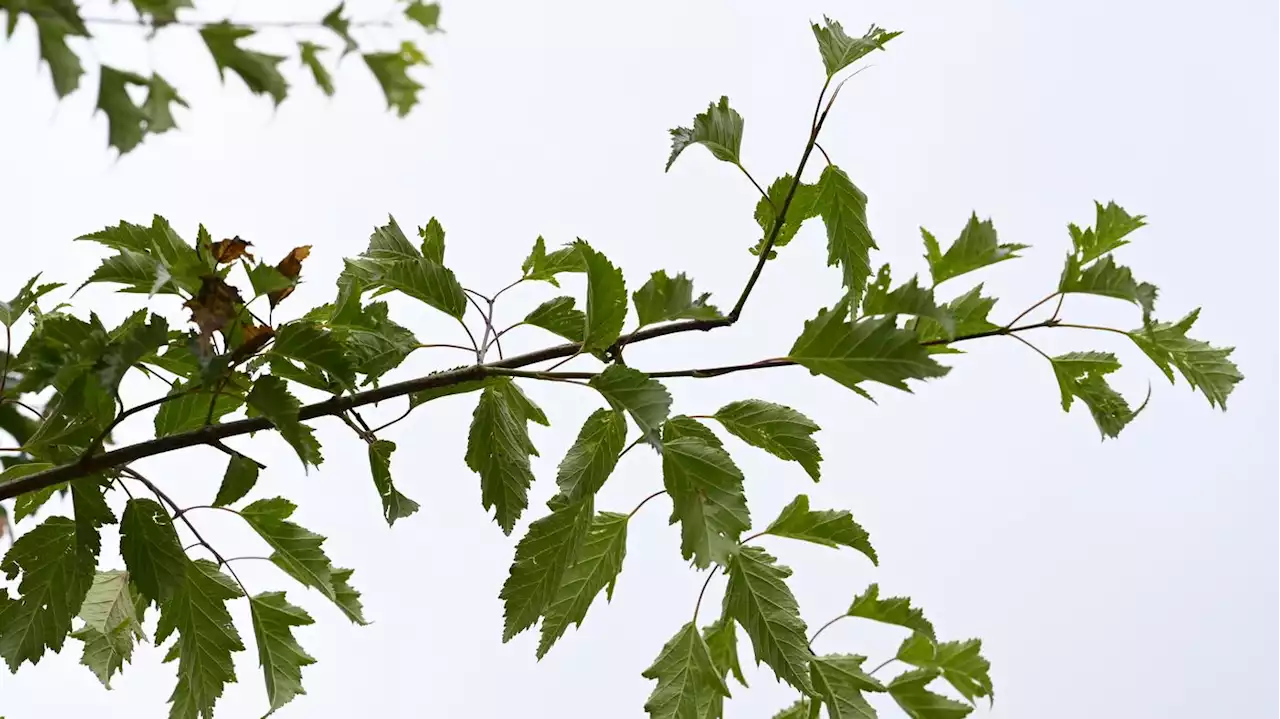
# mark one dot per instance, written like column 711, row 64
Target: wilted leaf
column 230, row 250
column 290, row 268
column 213, row 308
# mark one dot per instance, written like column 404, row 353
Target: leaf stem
column 1033, row 308
column 882, row 665
column 698, row 605
column 1097, row 328
column 823, row 628
column 645, row 501
column 763, row 194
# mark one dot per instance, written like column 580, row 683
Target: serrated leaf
column 804, row 206
column 64, row 65
column 111, row 625
column 1104, row 277
column 1073, row 365
column 426, row 395
column 206, row 638
column 161, row 12
column 840, row 681
column 839, row 50
column 559, row 316
column 891, row 610
column 279, row 654
column 126, row 121
column 975, row 248
column 259, row 71
column 132, row 341
column 908, row 298
column 298, row 552
column 316, row 347
column 719, row 129
column 664, row 298
column 758, row 598
column 829, row 527
column 707, row 498
column 595, row 567
column 645, row 399
column 961, row 663
column 28, row 503
column 908, row 690
column 161, row 96
column 542, row 558
column 391, row 70
column 425, row 14
column 341, row 27
column 873, row 350
column 843, row 208
column 778, row 430
column 722, row 639
column 189, row 408
column 686, row 675
column 540, row 265
column 683, row 426
column 270, row 397
column 151, row 550
column 394, row 504
column 1081, row 374
column 309, row 53
column 594, row 454
column 429, row 282
column 241, row 475
column 498, row 449
column 606, row 299
column 136, row 271
column 969, row 311
column 1111, row 226
column 433, row 240
column 1205, row 368
column 799, row 710
column 13, row 310
column 56, row 574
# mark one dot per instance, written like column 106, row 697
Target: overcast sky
column 1127, row 578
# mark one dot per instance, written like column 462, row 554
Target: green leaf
column 542, row 559
column 206, row 638
column 839, row 50
column 189, row 408
column 388, row 243
column 498, row 449
column 151, row 550
column 310, row 55
column 433, row 240
column 682, row 426
column 1104, row 277
column 719, row 129
column 1205, row 368
column 893, row 610
column 64, row 65
column 664, row 298
column 909, row 691
column 162, row 12
column 969, row 311
column 426, row 395
column 542, row 266
column 606, row 299
column 132, row 341
column 595, row 567
column 804, row 206
column 840, row 681
column 961, row 663
column 374, row 344
column 559, row 316
column 722, row 639
column 298, row 552
column 56, row 574
column 126, row 122
column 906, row 299
column 686, row 675
column 28, row 502
column 394, row 504
column 111, row 625
column 707, row 498
column 158, row 105
column 425, row 14
column 271, row 398
column 849, row 243
column 315, row 347
column 391, row 70
column 429, row 282
column 829, row 527
column 802, row 709
column 341, row 27
column 1113, row 225
column 868, row 350
column 241, row 475
column 259, row 71
column 646, row 400
column 975, row 248
column 137, row 272
column 758, row 598
column 778, row 430
column 13, row 310
column 279, row 654
column 594, row 454
column 1081, row 374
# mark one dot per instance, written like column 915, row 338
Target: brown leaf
column 225, row 251
column 290, row 267
column 255, row 337
column 213, row 307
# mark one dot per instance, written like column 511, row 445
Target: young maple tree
column 231, row 373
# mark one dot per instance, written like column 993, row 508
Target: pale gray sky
column 1131, row 578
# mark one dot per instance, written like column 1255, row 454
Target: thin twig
column 1033, row 308
column 24, row 405
column 143, row 23
column 407, row 411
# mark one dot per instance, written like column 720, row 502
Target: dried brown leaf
column 290, row 267
column 225, row 251
column 212, row 309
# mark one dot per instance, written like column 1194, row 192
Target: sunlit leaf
column 111, row 625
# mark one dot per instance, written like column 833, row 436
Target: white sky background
column 1131, row 578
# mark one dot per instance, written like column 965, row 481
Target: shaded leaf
column 758, row 598
column 707, row 498
column 151, row 550
column 665, row 298
column 271, row 398
column 559, row 316
column 891, row 610
column 161, row 96
column 839, row 50
column 606, row 299
column 686, row 675
column 961, row 663
column 542, row 557
column 498, row 449
column 28, row 503
column 975, row 248
column 13, row 310
column 197, row 611
column 906, row 299
column 540, row 265
column 241, row 475
column 799, row 710
column 317, row 347
column 722, row 639
column 840, row 681
column 843, row 208
column 719, row 129
column 429, row 282
column 394, row 504
column 780, row 431
column 427, row 395
column 868, row 350
column 433, row 240
column 595, row 567
column 1205, row 368
column 594, row 454
column 309, row 53
column 189, row 408
column 64, row 65
column 341, row 27
column 391, row 70
column 908, row 690
column 646, row 400
column 279, row 654
column 1104, row 277
column 259, row 71
column 829, row 527
column 804, row 206
column 56, row 575
column 126, row 121
column 425, row 14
